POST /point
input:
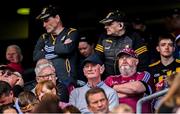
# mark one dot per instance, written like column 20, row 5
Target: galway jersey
column 132, row 99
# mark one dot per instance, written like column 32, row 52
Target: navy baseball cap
column 94, row 58
column 114, row 16
column 47, row 12
column 128, row 51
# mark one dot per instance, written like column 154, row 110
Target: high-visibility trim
column 153, row 64
column 71, row 30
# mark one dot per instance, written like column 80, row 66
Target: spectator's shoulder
column 78, row 89
column 177, row 60
column 70, row 30
column 44, row 35
column 155, row 63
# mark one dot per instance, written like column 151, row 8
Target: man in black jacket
column 116, row 38
column 59, row 45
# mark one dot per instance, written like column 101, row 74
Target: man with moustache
column 130, row 84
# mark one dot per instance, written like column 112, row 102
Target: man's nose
column 89, row 68
column 99, row 104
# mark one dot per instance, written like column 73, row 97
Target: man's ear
column 137, row 61
column 37, row 79
column 89, row 108
column 102, row 68
column 157, row 48
column 57, row 18
column 11, row 93
column 121, row 25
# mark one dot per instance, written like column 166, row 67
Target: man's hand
column 160, row 85
column 20, row 82
column 67, row 41
column 116, row 87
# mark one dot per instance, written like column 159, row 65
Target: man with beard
column 130, row 84
column 166, row 66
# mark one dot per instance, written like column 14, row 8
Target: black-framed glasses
column 48, row 75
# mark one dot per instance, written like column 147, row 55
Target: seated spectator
column 44, row 87
column 14, row 57
column 93, row 68
column 86, row 48
column 97, row 100
column 130, row 84
column 27, row 101
column 48, row 104
column 46, row 71
column 6, row 94
column 166, row 66
column 122, row 109
column 8, row 109
column 70, row 109
column 13, row 77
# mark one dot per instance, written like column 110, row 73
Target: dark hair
column 166, row 36
column 93, row 91
column 48, row 104
column 27, row 100
column 5, row 88
column 71, row 109
column 86, row 39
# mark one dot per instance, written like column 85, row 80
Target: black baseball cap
column 47, row 12
column 94, row 58
column 114, row 16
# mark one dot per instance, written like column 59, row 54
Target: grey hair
column 39, row 67
column 18, row 49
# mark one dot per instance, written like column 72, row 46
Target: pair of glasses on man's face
column 7, row 72
column 48, row 75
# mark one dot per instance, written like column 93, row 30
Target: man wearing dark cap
column 93, row 68
column 130, row 84
column 118, row 37
column 59, row 44
column 86, row 48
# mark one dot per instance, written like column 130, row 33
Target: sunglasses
column 7, row 72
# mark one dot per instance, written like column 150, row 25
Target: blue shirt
column 77, row 97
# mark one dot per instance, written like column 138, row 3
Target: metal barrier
column 147, row 98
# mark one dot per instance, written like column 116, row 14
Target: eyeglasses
column 48, row 75
column 7, row 72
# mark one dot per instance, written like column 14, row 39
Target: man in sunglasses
column 13, row 77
